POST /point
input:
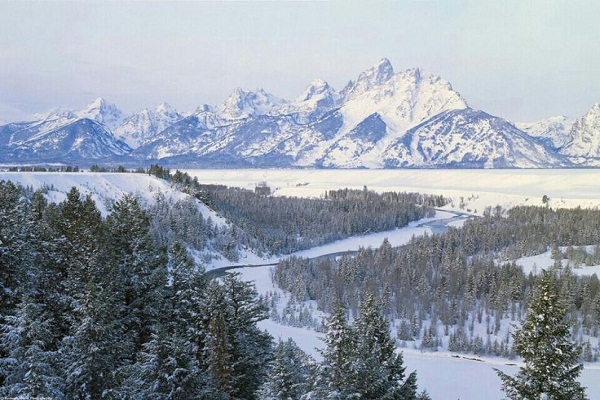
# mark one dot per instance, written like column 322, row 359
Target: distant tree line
column 288, row 224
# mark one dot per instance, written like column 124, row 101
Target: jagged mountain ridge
column 383, row 119
column 585, row 136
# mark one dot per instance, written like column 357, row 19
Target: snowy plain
column 443, row 374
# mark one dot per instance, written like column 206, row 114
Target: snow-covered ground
column 478, row 188
column 444, row 376
column 544, row 261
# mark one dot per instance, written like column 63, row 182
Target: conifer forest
column 119, row 305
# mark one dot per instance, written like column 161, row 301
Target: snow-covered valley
column 444, row 375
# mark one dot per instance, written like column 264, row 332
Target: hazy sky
column 522, row 60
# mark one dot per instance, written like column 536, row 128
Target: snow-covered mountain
column 142, row 127
column 102, row 112
column 554, row 132
column 76, row 140
column 469, row 139
column 244, row 104
column 62, row 135
column 382, row 119
column 585, row 134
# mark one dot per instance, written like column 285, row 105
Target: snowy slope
column 585, row 135
column 552, row 131
column 142, row 127
column 383, row 119
column 105, row 188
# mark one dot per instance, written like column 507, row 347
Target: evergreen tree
column 550, row 358
column 377, row 370
column 140, row 270
column 360, row 361
column 291, row 373
column 32, row 366
column 250, row 347
column 335, row 368
column 171, row 364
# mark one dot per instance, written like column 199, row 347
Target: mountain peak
column 244, row 103
column 98, row 102
column 315, row 88
column 585, row 135
column 415, row 73
column 103, row 112
column 377, row 74
column 165, row 108
column 595, row 109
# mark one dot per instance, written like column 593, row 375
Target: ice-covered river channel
column 397, row 237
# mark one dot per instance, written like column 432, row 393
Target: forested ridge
column 288, row 224
column 94, row 308
column 455, row 290
column 279, row 224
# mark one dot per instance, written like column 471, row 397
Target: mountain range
column 383, row 119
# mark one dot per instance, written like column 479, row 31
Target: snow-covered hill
column 382, row 119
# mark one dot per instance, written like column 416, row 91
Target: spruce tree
column 378, row 370
column 331, row 382
column 32, row 366
column 551, row 369
column 291, row 373
column 140, row 270
column 360, row 361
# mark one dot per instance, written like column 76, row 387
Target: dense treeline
column 276, row 224
column 93, row 308
column 96, row 307
column 182, row 221
column 455, row 290
column 288, row 224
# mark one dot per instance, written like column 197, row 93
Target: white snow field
column 478, row 188
column 445, row 376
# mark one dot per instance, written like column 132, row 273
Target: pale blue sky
column 523, row 60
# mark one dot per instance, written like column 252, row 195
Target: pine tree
column 291, row 373
column 378, row 371
column 32, row 366
column 335, row 368
column 550, row 358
